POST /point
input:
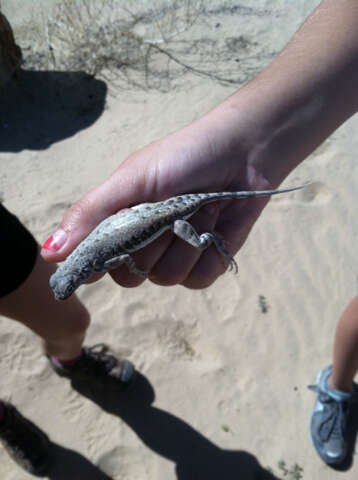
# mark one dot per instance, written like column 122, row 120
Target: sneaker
column 99, row 367
column 26, row 444
column 329, row 420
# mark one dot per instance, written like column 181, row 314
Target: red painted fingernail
column 56, row 241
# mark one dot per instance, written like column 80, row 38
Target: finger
column 178, row 260
column 144, row 259
column 208, row 268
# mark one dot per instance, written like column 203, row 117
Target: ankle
column 62, row 354
column 64, row 349
column 68, row 362
column 346, row 387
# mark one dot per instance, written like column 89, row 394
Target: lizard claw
column 233, row 266
column 230, row 264
column 229, row 261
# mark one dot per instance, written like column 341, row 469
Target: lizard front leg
column 128, row 260
column 187, row 232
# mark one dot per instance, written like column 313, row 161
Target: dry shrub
column 146, row 48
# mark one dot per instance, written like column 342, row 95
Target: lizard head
column 62, row 285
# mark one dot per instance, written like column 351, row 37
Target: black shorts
column 18, row 252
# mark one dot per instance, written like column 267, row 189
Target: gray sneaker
column 329, row 420
column 98, row 367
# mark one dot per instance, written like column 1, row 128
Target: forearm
column 307, row 92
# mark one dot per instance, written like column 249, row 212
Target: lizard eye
column 69, row 290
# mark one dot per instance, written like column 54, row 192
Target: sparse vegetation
column 128, row 47
column 289, row 473
column 148, row 44
column 263, row 304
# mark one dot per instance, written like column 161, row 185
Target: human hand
column 191, row 160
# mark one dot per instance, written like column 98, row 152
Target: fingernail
column 56, row 241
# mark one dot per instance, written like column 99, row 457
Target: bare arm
column 306, row 93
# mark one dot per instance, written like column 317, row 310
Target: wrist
column 254, row 125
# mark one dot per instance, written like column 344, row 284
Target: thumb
column 123, row 189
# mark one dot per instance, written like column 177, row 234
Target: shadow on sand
column 195, row 457
column 70, row 465
column 44, row 107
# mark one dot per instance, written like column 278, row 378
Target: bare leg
column 345, row 354
column 61, row 325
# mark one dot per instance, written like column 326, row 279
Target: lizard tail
column 212, row 197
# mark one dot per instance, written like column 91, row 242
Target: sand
column 223, row 393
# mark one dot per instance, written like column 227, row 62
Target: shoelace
column 337, row 420
column 338, row 417
column 99, row 357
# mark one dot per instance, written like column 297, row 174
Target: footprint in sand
column 73, row 406
column 133, row 309
column 178, row 338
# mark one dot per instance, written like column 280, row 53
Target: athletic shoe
column 98, row 367
column 329, row 420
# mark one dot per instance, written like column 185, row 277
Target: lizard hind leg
column 187, row 232
column 128, row 260
column 220, row 245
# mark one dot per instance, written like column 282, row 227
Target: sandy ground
column 223, row 392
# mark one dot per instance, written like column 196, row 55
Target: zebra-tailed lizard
column 113, row 241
